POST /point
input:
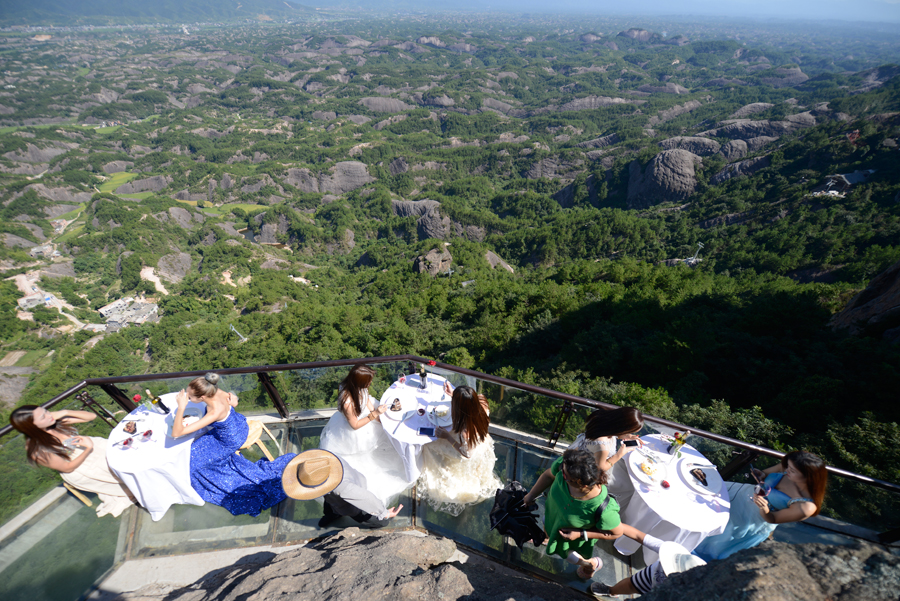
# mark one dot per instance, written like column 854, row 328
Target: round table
column 156, row 471
column 404, row 433
column 678, row 513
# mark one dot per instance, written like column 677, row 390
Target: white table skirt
column 404, row 436
column 156, row 471
column 676, row 514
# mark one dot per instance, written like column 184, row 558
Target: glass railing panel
column 317, row 388
column 60, row 553
column 298, row 520
column 526, row 412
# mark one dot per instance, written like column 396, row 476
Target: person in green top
column 571, row 521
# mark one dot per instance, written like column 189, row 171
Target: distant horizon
column 858, row 11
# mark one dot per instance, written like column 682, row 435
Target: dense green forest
column 290, row 181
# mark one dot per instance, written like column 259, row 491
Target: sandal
column 595, row 564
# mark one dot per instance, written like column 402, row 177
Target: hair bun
column 212, row 378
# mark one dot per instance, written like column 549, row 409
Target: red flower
column 136, row 398
column 432, row 363
column 665, row 484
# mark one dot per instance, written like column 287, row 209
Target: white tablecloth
column 678, row 513
column 404, row 435
column 156, row 471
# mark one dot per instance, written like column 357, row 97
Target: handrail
column 890, row 486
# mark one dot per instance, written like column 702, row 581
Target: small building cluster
column 44, row 251
column 838, row 185
column 118, row 314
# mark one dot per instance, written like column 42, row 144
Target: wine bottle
column 157, row 403
column 423, row 377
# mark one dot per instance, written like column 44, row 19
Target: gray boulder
column 495, row 261
column 879, row 303
column 13, row 241
column 385, row 105
column 117, row 166
column 602, row 142
column 782, row 572
column 669, row 176
column 413, row 208
column 174, row 267
column 744, row 129
column 181, row 217
column 675, row 111
column 750, row 109
column 65, row 269
column 433, row 225
column 702, row 147
column 149, row 184
column 433, row 262
column 33, row 154
column 734, row 150
column 755, row 144
column 398, row 166
column 740, row 169
column 345, row 176
column 639, row 35
column 785, row 77
column 358, row 119
column 497, row 105
column 303, row 179
column 324, row 115
column 60, row 194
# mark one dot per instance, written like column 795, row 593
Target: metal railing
column 746, row 454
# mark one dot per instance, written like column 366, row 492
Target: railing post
column 88, row 402
column 738, row 464
column 564, row 411
column 119, row 397
column 273, row 394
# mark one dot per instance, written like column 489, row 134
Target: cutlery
column 400, row 423
column 701, row 465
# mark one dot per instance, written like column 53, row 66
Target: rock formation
column 668, row 88
column 495, row 261
column 385, row 105
column 669, row 176
column 359, row 564
column 433, row 225
column 117, row 166
column 750, row 109
column 782, row 572
column 433, row 262
column 344, row 177
column 150, row 184
column 785, row 77
column 702, row 147
column 174, row 267
column 740, row 169
column 675, row 111
column 181, row 217
column 412, row 208
column 876, row 307
column 639, row 35
column 589, row 103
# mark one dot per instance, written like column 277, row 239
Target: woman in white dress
column 355, row 434
column 81, row 460
column 602, row 430
column 458, row 468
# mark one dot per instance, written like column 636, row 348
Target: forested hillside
column 517, row 197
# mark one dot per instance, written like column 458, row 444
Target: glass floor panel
column 61, row 552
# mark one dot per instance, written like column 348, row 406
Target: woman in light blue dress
column 796, row 490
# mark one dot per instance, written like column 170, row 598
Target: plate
column 442, row 421
column 713, row 479
column 634, row 464
column 407, row 404
column 191, row 415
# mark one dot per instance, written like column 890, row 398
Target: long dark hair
column 354, row 384
column 469, row 415
column 813, row 469
column 613, row 422
column 39, row 443
column 582, row 467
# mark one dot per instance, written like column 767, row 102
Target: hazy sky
column 851, row 10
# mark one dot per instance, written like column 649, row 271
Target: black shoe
column 328, row 519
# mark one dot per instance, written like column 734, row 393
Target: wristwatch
column 584, row 534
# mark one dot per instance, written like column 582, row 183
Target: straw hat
column 674, row 558
column 312, row 474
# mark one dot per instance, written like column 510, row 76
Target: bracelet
column 584, row 534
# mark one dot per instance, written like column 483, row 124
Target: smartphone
column 630, row 443
column 426, row 431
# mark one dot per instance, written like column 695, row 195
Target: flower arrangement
column 676, row 442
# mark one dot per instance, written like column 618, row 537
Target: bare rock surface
column 174, row 267
column 385, row 105
column 675, row 111
column 734, row 150
column 750, row 109
column 149, row 184
column 33, row 154
column 601, row 142
column 413, row 208
column 495, row 261
column 497, row 105
column 65, row 269
column 60, row 194
column 878, row 304
column 740, row 169
column 117, row 166
column 433, row 225
column 13, row 241
column 433, row 262
column 552, row 167
column 344, row 177
column 670, row 175
column 743, row 129
column 181, row 217
column 639, row 35
column 398, row 166
column 358, row 564
column 781, row 572
column 668, row 88
column 702, row 147
column 785, row 77
column 589, row 103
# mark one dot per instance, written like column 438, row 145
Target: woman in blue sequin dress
column 219, row 474
column 796, row 489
